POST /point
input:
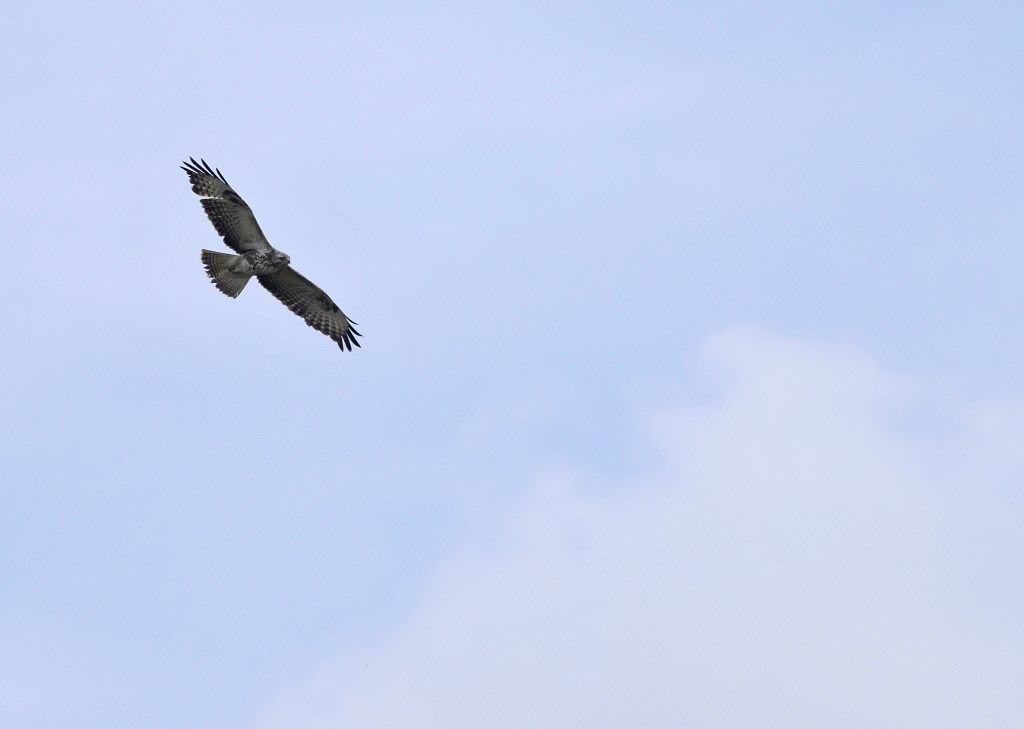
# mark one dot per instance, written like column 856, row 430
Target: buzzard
column 237, row 225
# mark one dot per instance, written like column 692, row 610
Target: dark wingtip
column 346, row 342
column 191, row 167
column 202, row 167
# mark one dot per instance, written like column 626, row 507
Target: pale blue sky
column 622, row 269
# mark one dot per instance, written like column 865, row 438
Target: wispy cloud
column 789, row 557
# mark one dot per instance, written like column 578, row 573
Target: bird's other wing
column 225, row 208
column 310, row 302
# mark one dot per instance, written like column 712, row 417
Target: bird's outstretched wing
column 228, row 212
column 310, row 302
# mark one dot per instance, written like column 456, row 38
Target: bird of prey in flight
column 237, row 225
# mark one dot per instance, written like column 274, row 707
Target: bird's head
column 281, row 259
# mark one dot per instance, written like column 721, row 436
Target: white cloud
column 793, row 557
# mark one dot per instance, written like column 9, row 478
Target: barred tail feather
column 218, row 268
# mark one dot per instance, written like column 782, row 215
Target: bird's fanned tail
column 218, row 268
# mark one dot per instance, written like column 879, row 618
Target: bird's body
column 237, row 225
